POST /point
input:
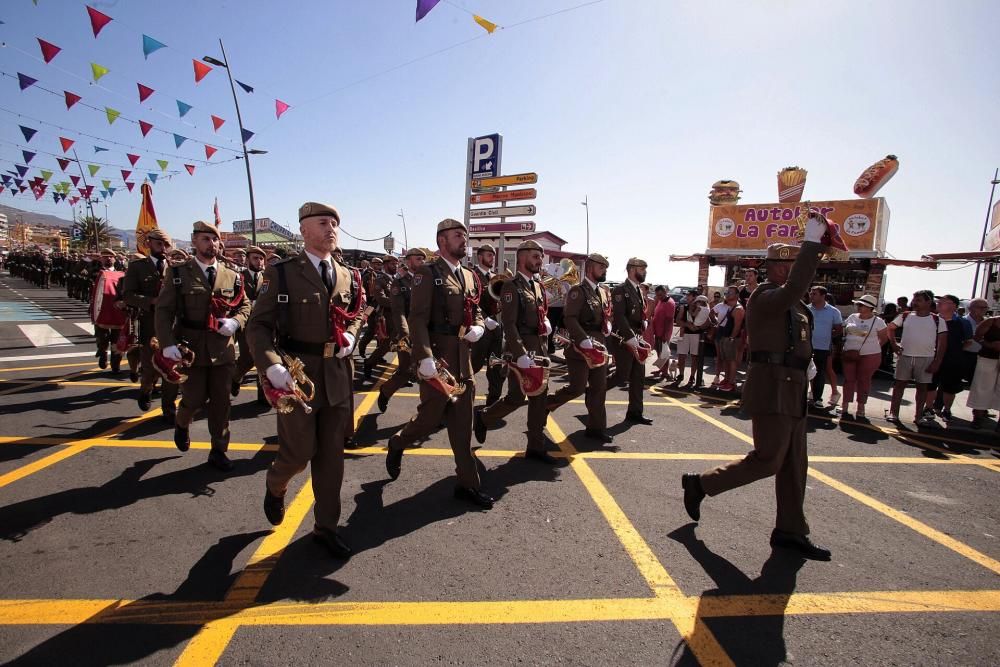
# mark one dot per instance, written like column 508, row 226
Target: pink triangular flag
column 144, row 92
column 129, row 186
column 125, row 174
column 63, row 163
column 66, row 143
column 132, row 158
column 75, row 179
column 217, row 122
column 97, row 20
column 71, row 98
column 200, row 70
column 209, row 151
column 190, row 168
column 280, row 108
column 145, row 127
column 49, row 50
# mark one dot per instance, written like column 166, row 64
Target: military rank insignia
column 417, row 279
column 508, row 297
column 263, row 286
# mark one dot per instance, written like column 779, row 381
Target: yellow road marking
column 849, row 602
column 91, row 364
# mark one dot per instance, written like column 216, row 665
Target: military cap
column 416, row 252
column 239, row 251
column 255, row 250
column 390, row 258
column 782, row 252
column 598, row 258
column 311, row 208
column 158, row 235
column 107, row 252
column 202, row 226
column 376, row 259
column 178, row 252
column 486, row 247
column 449, row 223
column 635, row 261
column 530, row 245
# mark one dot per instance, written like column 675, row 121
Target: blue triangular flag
column 25, row 81
column 178, row 140
column 245, row 87
column 27, row 132
column 247, row 135
column 98, row 149
column 149, row 45
column 152, row 177
column 182, row 108
column 28, row 156
column 21, row 169
column 5, row 178
column 104, row 194
column 111, row 191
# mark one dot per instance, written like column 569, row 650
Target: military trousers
column 245, row 361
column 106, row 339
column 316, row 439
column 491, row 344
column 779, row 449
column 435, row 407
column 593, row 382
column 378, row 355
column 627, row 369
column 398, row 379
column 208, row 385
column 514, row 399
column 147, row 380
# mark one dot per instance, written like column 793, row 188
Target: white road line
column 38, row 357
column 86, row 326
column 43, row 335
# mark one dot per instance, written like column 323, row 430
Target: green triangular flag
column 98, row 70
column 93, row 168
column 163, row 164
column 106, row 183
column 112, row 114
column 46, row 175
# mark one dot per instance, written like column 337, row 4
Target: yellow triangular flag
column 98, row 70
column 93, row 168
column 486, row 25
column 112, row 114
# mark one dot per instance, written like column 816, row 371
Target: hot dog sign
column 749, row 227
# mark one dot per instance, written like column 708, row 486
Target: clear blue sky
column 640, row 105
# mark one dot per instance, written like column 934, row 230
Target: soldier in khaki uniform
column 252, row 274
column 368, row 278
column 586, row 321
column 492, row 341
column 202, row 304
column 292, row 315
column 105, row 336
column 525, row 329
column 400, row 292
column 381, row 319
column 444, row 323
column 628, row 310
column 141, row 287
column 774, row 394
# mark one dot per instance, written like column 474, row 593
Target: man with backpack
column 921, row 349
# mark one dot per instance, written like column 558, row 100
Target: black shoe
column 479, row 426
column 383, row 401
column 539, row 455
column 220, row 460
column 274, row 507
column 116, row 363
column 637, row 419
column 474, row 496
column 394, row 459
column 102, row 360
column 145, row 402
column 800, row 544
column 693, row 494
column 600, row 435
column 333, row 542
column 182, row 438
column 368, row 372
column 234, row 388
column 349, row 443
column 133, row 377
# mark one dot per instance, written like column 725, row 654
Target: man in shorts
column 727, row 336
column 921, row 349
column 693, row 319
column 948, row 380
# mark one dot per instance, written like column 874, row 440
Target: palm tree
column 93, row 232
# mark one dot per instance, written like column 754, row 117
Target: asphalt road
column 116, row 548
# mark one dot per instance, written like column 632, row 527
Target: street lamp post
column 982, row 240
column 406, row 241
column 586, row 206
column 224, row 63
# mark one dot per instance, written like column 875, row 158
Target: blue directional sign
column 486, row 152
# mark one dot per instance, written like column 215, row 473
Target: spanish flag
column 147, row 219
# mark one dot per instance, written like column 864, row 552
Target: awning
column 916, row 263
column 988, row 256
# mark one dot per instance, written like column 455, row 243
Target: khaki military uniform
column 774, row 394
column 141, row 286
column 399, row 297
column 519, row 302
column 368, row 280
column 628, row 319
column 584, row 318
column 491, row 344
column 182, row 312
column 251, row 283
column 316, row 438
column 435, row 322
column 382, row 297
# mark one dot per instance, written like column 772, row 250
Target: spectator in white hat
column 864, row 335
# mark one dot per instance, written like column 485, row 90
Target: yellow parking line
column 91, row 364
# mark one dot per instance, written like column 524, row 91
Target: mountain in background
column 29, row 218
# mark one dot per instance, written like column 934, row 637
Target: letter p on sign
column 486, row 156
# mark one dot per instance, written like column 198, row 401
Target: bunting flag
column 112, row 114
column 209, row 151
column 66, row 144
column 280, row 108
column 217, row 122
column 98, row 71
column 49, row 50
column 28, row 156
column 93, row 168
column 245, row 87
column 147, row 218
column 71, row 99
column 152, row 176
column 87, row 191
column 201, row 70
column 46, row 175
column 97, row 20
column 178, row 140
column 425, row 6
column 484, row 24
column 145, row 127
column 106, row 183
column 104, row 194
column 149, row 45
column 99, row 149
column 21, row 169
column 63, row 162
column 129, row 186
column 163, row 164
column 132, row 158
column 25, row 81
column 75, row 179
column 144, row 92
column 111, row 191
column 73, row 201
column 215, row 211
column 27, row 132
column 1, row 189
column 247, row 135
column 190, row 168
column 125, row 174
column 182, row 108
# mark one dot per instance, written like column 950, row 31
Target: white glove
column 524, row 361
column 346, row 351
column 279, row 377
column 546, row 327
column 227, row 326
column 491, row 323
column 815, row 229
column 427, row 369
column 172, row 353
column 474, row 333
column 633, row 341
column 587, row 344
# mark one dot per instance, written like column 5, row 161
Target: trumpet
column 595, row 356
column 534, row 380
column 445, row 382
column 641, row 351
column 568, row 273
column 496, row 283
column 169, row 369
column 302, row 392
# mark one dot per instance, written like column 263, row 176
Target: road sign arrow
column 512, row 179
column 502, row 211
column 509, row 195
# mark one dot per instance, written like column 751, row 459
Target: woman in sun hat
column 864, row 335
